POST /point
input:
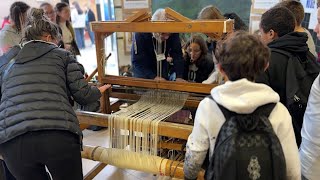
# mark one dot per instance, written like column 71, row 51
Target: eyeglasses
column 49, row 13
column 189, row 50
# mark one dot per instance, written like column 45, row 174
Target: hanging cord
column 157, row 46
column 174, row 171
column 137, row 125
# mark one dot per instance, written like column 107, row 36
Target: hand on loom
column 159, row 78
column 67, row 47
column 103, row 88
column 181, row 80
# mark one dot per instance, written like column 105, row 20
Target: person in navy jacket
column 148, row 47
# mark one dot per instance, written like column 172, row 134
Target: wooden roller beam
column 174, row 130
column 172, row 168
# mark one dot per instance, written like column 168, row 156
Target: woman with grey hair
column 164, row 48
column 38, row 127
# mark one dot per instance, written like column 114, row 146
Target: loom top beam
column 139, row 22
column 216, row 26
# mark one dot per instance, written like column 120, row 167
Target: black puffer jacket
column 34, row 91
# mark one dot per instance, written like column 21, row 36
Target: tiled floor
column 99, row 138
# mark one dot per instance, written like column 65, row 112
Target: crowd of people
column 190, row 62
column 261, row 122
column 267, row 104
column 41, row 80
column 61, row 14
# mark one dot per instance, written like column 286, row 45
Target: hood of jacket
column 243, row 96
column 33, row 50
column 295, row 42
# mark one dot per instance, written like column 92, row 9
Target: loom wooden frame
column 139, row 22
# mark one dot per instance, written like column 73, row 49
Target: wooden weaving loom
column 140, row 22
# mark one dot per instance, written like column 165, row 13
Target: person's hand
column 159, row 78
column 169, row 59
column 103, row 88
column 67, row 47
column 181, row 80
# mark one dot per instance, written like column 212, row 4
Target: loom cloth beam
column 135, row 161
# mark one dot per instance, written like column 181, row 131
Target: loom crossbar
column 169, row 129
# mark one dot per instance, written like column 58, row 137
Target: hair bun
column 36, row 13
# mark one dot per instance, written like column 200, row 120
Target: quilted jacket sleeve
column 80, row 90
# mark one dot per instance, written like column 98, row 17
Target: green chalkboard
column 191, row 8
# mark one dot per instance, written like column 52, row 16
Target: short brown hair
column 295, row 7
column 210, row 12
column 242, row 55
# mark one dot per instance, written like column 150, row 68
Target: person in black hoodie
column 198, row 62
column 277, row 31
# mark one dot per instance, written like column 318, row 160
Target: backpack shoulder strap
column 12, row 54
column 5, row 58
column 265, row 110
column 227, row 114
column 8, row 67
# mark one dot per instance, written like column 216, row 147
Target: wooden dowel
column 91, row 75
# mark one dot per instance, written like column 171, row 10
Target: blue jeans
column 91, row 34
column 79, row 32
column 173, row 77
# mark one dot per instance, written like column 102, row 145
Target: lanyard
column 156, row 47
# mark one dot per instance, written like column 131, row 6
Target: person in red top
column 5, row 21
